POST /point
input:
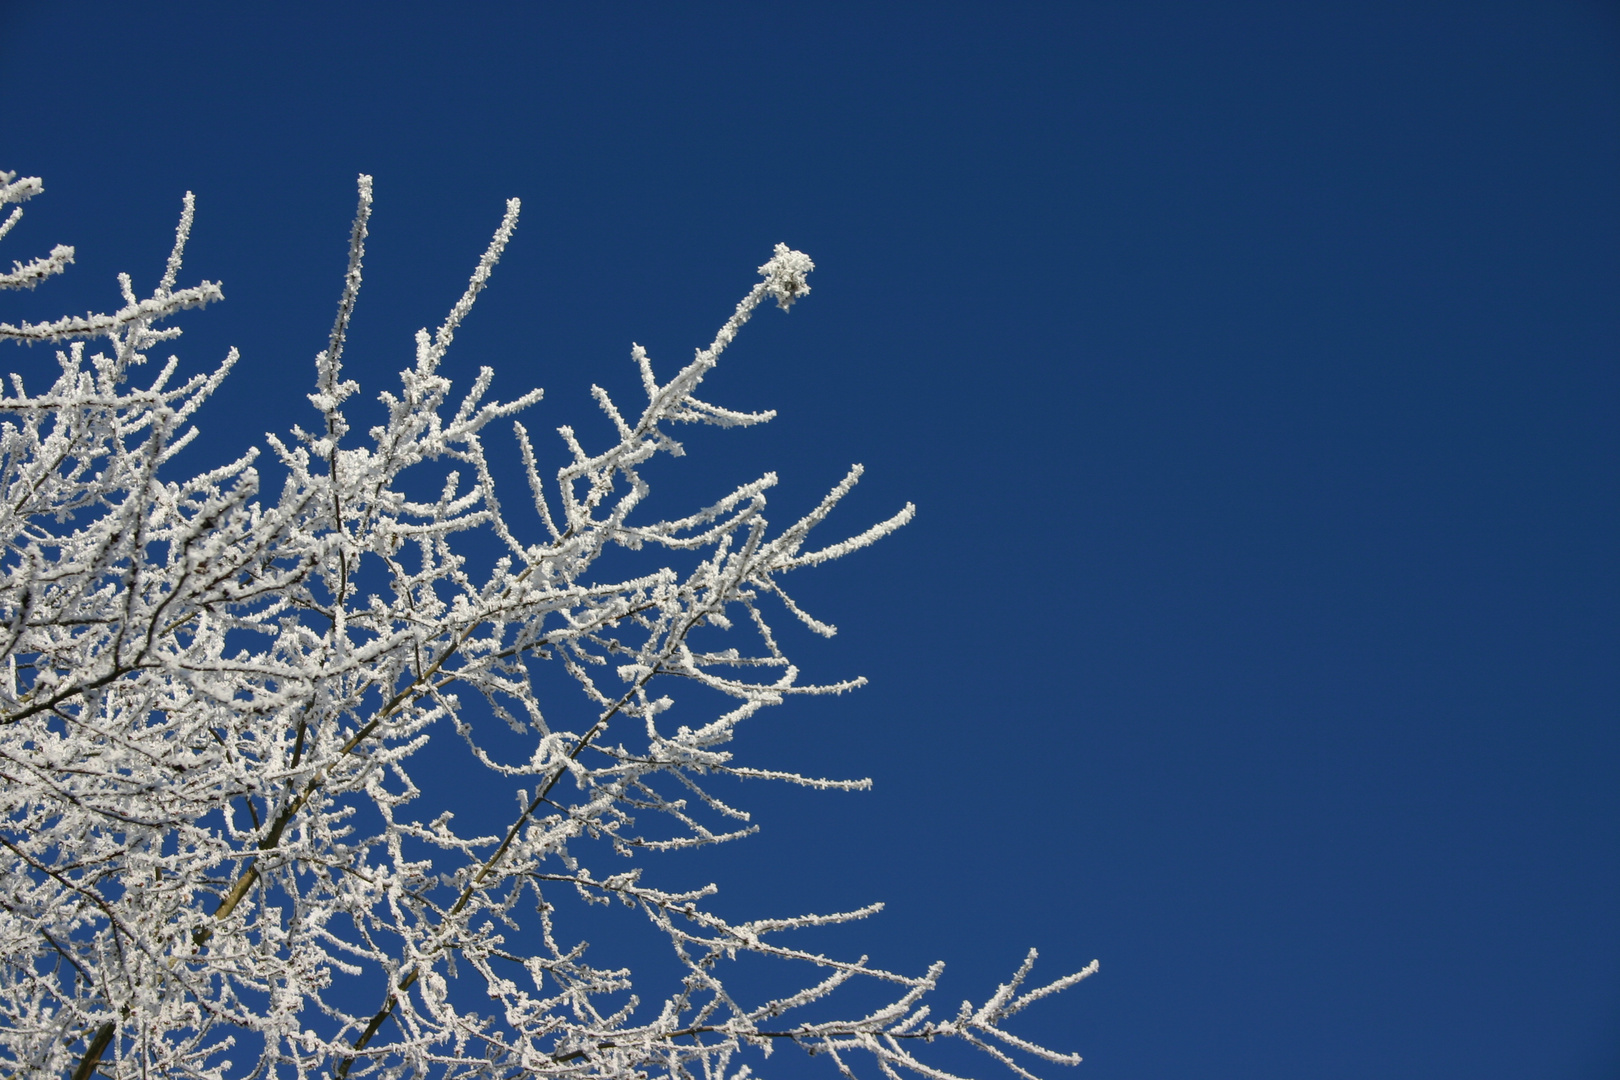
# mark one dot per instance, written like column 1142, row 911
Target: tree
column 210, row 703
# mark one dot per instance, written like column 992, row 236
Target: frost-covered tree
column 216, row 862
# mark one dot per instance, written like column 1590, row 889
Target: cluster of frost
column 207, row 730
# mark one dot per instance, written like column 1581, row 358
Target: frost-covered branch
column 26, row 276
column 216, row 861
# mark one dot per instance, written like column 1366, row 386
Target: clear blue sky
column 1252, row 367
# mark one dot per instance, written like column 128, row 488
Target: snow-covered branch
column 212, row 699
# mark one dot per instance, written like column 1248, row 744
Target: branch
column 89, row 326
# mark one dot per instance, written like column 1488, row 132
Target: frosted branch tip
column 785, row 275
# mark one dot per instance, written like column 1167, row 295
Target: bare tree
column 214, row 862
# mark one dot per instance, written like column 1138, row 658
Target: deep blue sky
column 1253, row 368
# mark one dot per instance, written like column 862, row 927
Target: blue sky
column 1252, row 367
